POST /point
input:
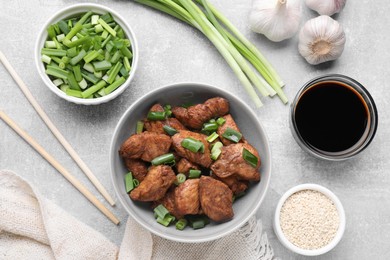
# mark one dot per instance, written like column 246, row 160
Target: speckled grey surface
column 172, row 52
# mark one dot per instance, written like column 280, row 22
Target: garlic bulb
column 326, row 7
column 276, row 19
column 321, row 39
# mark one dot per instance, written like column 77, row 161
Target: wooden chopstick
column 76, row 183
column 55, row 131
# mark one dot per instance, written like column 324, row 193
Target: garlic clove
column 321, row 39
column 326, row 7
column 276, row 19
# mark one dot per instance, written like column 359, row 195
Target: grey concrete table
column 173, row 52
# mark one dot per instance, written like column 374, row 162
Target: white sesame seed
column 309, row 219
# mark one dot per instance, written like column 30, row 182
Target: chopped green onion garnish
column 192, row 145
column 156, row 115
column 216, row 150
column 161, row 211
column 221, row 121
column 250, row 158
column 209, row 127
column 166, row 221
column 181, row 224
column 180, row 178
column 170, row 130
column 135, row 182
column 90, row 41
column 129, row 182
column 194, row 174
column 140, row 127
column 168, row 158
column 232, row 135
column 211, row 138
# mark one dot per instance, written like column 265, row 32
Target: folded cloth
column 32, row 227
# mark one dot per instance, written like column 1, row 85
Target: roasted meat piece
column 145, row 146
column 200, row 158
column 229, row 123
column 187, row 197
column 231, row 162
column 237, row 186
column 216, row 199
column 195, row 116
column 184, row 166
column 157, row 126
column 137, row 167
column 155, row 185
column 168, row 201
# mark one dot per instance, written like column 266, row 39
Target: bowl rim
column 73, row 9
column 340, row 209
column 112, row 154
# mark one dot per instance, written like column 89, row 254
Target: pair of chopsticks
column 77, row 184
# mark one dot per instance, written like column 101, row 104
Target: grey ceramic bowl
column 179, row 94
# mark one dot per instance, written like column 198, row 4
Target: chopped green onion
column 58, row 82
column 89, row 67
column 161, row 211
column 46, row 59
column 192, row 145
column 101, row 65
column 72, row 81
column 250, row 158
column 56, row 72
column 114, row 72
column 107, row 27
column 94, row 19
column 76, row 59
column 170, row 130
column 129, row 182
column 73, row 93
column 221, row 121
column 209, row 127
column 63, row 27
column 95, row 88
column 50, row 44
column 181, row 224
column 232, row 135
column 156, row 115
column 77, row 73
column 164, row 159
column 114, row 85
column 167, row 110
column 216, row 150
column 140, row 127
column 166, row 221
column 194, row 174
column 53, row 52
column 135, row 183
column 211, row 138
column 180, row 178
column 83, row 84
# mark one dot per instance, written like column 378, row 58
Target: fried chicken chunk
column 216, row 199
column 155, row 185
column 229, row 123
column 237, row 186
column 137, row 167
column 200, row 158
column 187, row 197
column 232, row 162
column 195, row 116
column 168, row 201
column 184, row 166
column 145, row 146
column 157, row 126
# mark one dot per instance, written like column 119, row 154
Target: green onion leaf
column 221, row 121
column 129, row 182
column 168, row 158
column 161, row 211
column 232, row 135
column 140, row 127
column 194, row 174
column 170, row 130
column 156, row 115
column 209, row 127
column 211, row 138
column 216, row 150
column 250, row 158
column 180, row 178
column 192, row 145
column 181, row 224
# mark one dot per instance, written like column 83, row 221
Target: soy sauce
column 331, row 116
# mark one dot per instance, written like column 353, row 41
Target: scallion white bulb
column 326, row 7
column 276, row 19
column 321, row 39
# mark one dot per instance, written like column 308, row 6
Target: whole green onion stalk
column 241, row 55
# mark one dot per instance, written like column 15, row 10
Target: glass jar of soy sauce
column 333, row 117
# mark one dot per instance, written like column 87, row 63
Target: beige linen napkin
column 32, row 227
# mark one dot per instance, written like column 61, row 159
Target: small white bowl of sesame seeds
column 309, row 220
